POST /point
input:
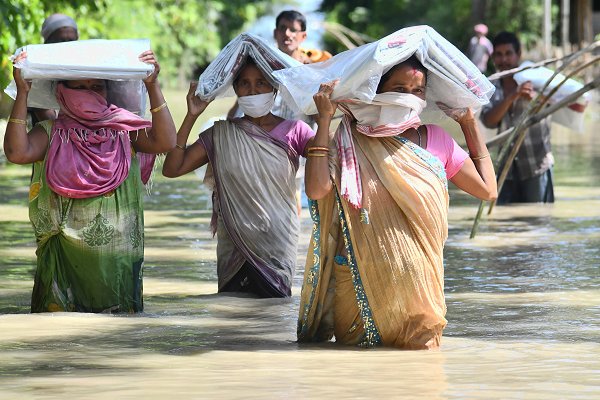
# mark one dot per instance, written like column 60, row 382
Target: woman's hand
column 325, row 106
column 22, row 85
column 461, row 115
column 148, row 57
column 195, row 105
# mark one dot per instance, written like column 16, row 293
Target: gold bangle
column 480, row 157
column 157, row 109
column 318, row 148
column 17, row 121
column 317, row 155
column 180, row 146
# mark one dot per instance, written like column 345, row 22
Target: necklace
column 419, row 134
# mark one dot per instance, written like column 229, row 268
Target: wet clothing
column 251, row 172
column 534, row 158
column 90, row 251
column 374, row 275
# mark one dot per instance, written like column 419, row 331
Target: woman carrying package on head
column 374, row 273
column 85, row 200
column 252, row 163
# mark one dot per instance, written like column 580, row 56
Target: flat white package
column 452, row 79
column 113, row 60
column 217, row 80
column 539, row 76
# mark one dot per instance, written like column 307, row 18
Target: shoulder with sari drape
column 253, row 175
column 374, row 275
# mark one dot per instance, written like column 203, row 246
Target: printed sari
column 90, row 251
column 374, row 276
column 252, row 176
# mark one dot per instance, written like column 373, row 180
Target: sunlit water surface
column 523, row 309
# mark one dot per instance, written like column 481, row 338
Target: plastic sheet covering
column 566, row 116
column 452, row 79
column 114, row 60
column 217, row 80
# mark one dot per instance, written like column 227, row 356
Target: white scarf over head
column 389, row 114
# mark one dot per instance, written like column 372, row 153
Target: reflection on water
column 523, row 309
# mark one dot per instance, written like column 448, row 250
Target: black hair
column 507, row 38
column 412, row 61
column 291, row 15
column 248, row 61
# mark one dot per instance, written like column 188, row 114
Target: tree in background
column 453, row 19
column 184, row 34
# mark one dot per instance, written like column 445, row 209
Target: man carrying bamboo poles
column 530, row 176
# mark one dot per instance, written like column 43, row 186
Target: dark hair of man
column 507, row 38
column 291, row 15
column 412, row 61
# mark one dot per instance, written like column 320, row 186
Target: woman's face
column 406, row 79
column 251, row 81
column 95, row 85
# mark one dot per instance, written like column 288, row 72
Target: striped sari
column 253, row 182
column 374, row 276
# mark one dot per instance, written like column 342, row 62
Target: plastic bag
column 114, row 60
column 569, row 117
column 217, row 80
column 452, row 79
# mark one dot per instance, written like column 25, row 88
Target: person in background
column 530, row 176
column 56, row 28
column 290, row 33
column 480, row 48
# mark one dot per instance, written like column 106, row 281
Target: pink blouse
column 444, row 147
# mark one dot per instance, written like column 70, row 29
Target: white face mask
column 389, row 109
column 257, row 105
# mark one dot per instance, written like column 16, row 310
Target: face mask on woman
column 389, row 109
column 257, row 105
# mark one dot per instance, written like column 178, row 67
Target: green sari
column 90, row 252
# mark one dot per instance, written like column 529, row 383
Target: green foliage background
column 451, row 18
column 184, row 33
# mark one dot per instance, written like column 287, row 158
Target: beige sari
column 375, row 276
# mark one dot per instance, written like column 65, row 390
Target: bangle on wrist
column 17, row 121
column 481, row 157
column 157, row 109
column 318, row 148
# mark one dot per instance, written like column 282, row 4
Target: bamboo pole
column 531, row 116
column 527, row 119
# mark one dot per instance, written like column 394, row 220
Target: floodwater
column 523, row 308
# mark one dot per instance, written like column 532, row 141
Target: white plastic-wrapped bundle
column 217, row 80
column 113, row 60
column 452, row 79
column 572, row 116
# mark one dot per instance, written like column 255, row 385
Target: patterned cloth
column 535, row 155
column 90, row 251
column 375, row 277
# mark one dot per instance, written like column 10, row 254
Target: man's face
column 289, row 35
column 505, row 57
